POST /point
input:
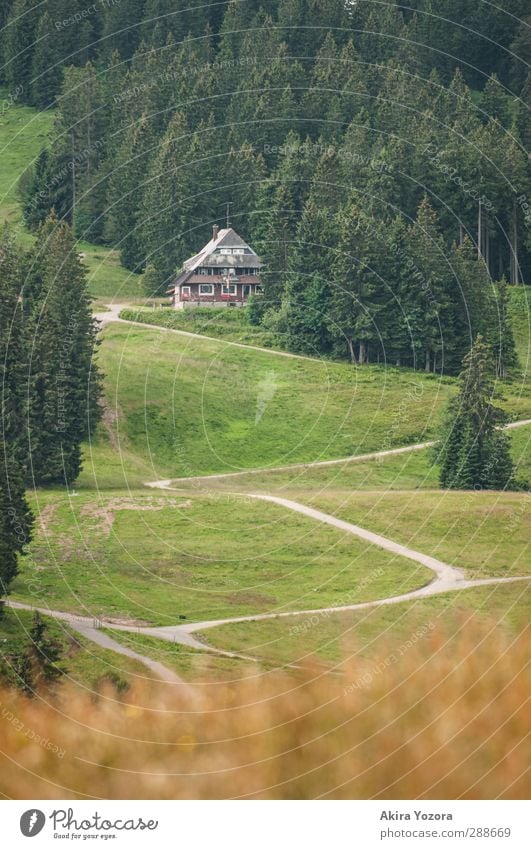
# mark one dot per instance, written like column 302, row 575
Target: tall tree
column 19, row 46
column 473, row 452
column 16, row 520
column 64, row 384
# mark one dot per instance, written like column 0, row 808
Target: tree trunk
column 480, row 227
column 362, row 354
column 427, row 366
column 487, row 249
column 515, row 245
column 351, row 349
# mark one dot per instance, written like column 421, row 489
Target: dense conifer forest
column 373, row 153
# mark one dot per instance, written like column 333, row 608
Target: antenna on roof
column 228, row 215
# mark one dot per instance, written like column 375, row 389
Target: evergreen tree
column 502, row 338
column 307, row 292
column 474, row 453
column 361, row 298
column 16, row 520
column 64, row 383
column 47, row 70
column 122, row 27
column 12, row 350
column 168, row 204
column 38, row 664
column 428, row 286
column 125, row 193
column 19, row 45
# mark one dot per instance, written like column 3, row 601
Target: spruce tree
column 167, row 205
column 16, row 520
column 64, row 383
column 13, row 354
column 474, row 452
column 125, row 193
column 47, row 70
column 307, row 293
column 19, row 46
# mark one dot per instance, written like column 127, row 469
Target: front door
column 246, row 291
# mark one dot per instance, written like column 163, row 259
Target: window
column 225, row 250
column 206, row 289
column 185, row 291
column 231, row 289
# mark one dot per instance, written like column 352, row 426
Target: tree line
column 50, row 385
column 334, row 131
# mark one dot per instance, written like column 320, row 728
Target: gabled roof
column 227, row 238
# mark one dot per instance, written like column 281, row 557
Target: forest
column 374, row 154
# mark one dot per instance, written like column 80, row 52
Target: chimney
column 215, row 231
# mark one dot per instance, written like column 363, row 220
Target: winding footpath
column 446, row 578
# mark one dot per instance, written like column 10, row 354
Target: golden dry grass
column 442, row 718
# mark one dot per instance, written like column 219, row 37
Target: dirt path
column 90, row 629
column 447, row 578
column 317, row 464
column 113, row 315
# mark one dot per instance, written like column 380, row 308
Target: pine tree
column 307, row 293
column 428, row 285
column 19, row 45
column 361, row 299
column 125, row 193
column 502, row 338
column 44, row 652
column 16, row 520
column 168, row 203
column 47, row 69
column 474, row 453
column 122, row 26
column 13, row 353
column 38, row 664
column 64, row 383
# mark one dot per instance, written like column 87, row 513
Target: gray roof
column 211, row 257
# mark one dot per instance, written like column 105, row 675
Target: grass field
column 157, row 559
column 360, row 635
column 182, row 407
column 486, row 533
column 83, row 662
column 193, row 407
column 228, row 324
column 23, row 132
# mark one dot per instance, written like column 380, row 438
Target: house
column 224, row 273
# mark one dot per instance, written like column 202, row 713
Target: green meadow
column 157, row 559
column 361, row 634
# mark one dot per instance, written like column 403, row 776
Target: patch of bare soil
column 104, row 514
column 251, row 598
column 133, row 623
column 45, row 516
column 109, row 417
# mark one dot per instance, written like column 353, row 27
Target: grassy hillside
column 23, row 132
column 189, row 406
column 158, row 558
column 362, row 634
column 83, row 662
column 485, row 533
column 193, row 407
